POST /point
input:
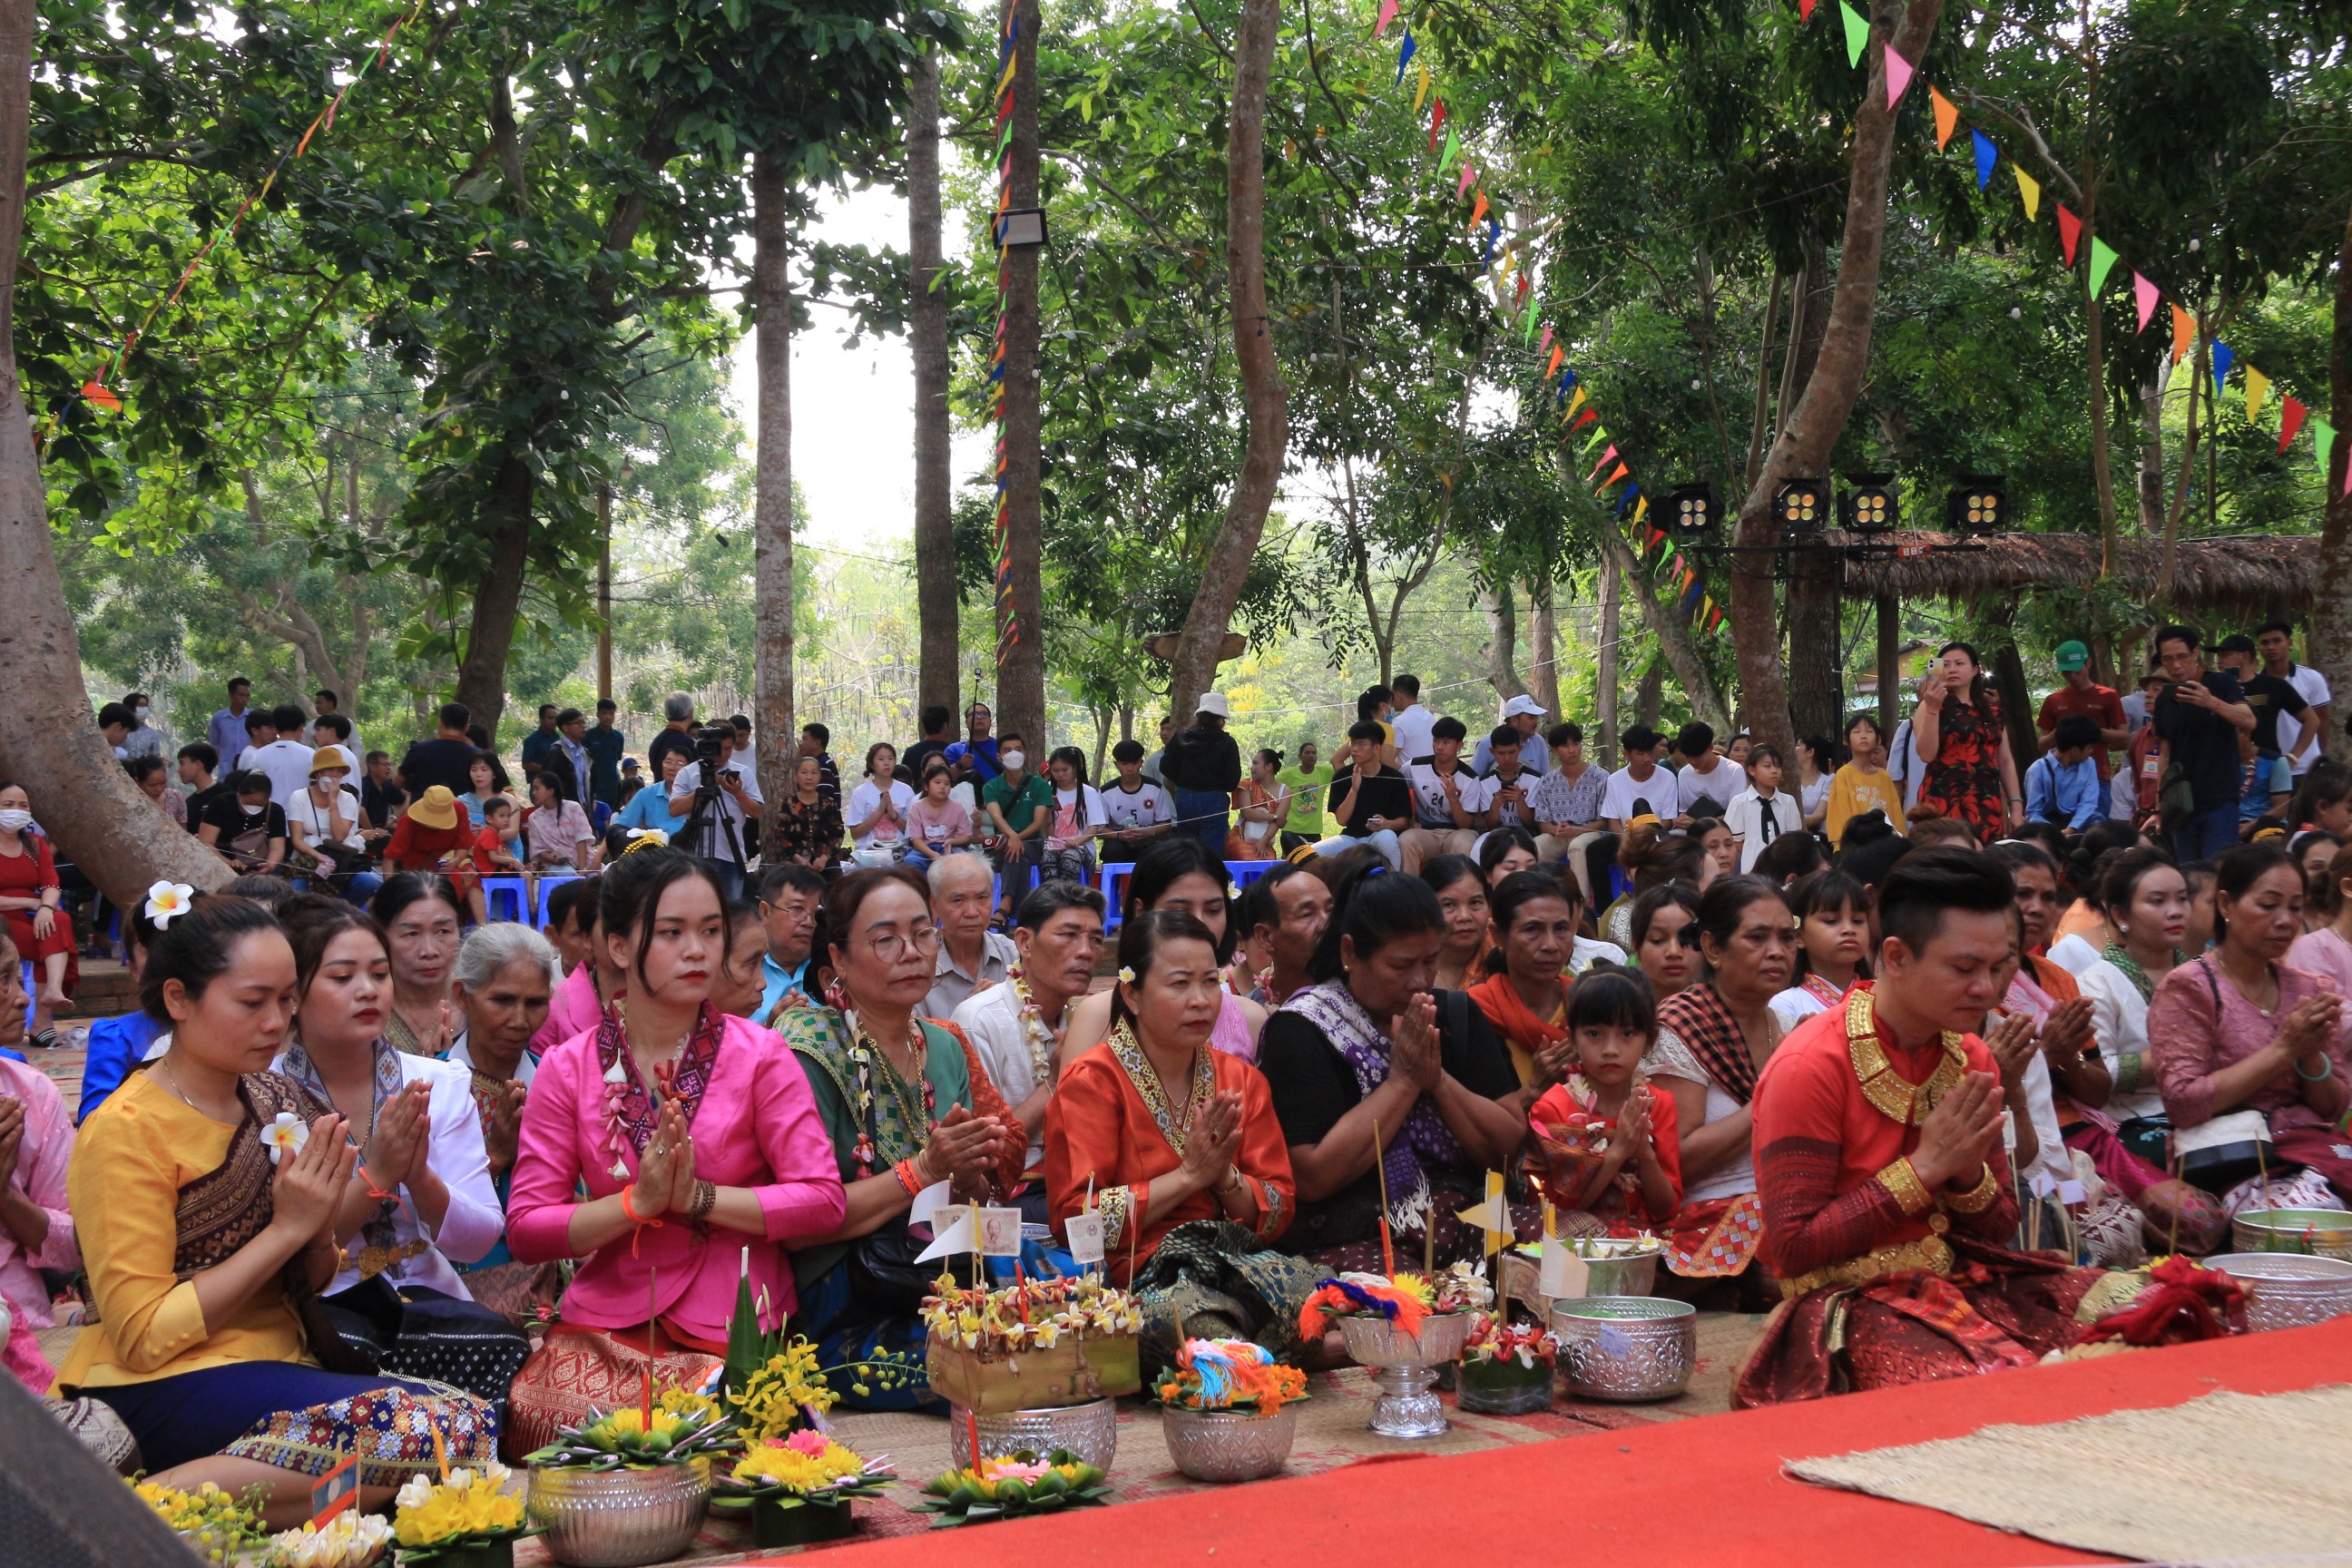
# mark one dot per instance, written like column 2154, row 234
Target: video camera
column 710, row 737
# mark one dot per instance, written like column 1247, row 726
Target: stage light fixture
column 1021, row 228
column 1869, row 507
column 1978, row 504
column 1691, row 512
column 1801, row 507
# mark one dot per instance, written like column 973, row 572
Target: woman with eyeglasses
column 1714, row 1038
column 895, row 1092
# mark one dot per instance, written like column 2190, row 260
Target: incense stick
column 1388, row 1251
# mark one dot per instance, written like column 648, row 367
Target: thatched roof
column 2245, row 579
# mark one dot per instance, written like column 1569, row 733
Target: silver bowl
column 2325, row 1232
column 1089, row 1430
column 2286, row 1289
column 1403, row 1365
column 1626, row 1347
column 618, row 1519
column 1229, row 1445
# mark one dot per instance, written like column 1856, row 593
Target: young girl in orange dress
column 1606, row 1144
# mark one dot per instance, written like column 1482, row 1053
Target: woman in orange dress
column 1176, row 1145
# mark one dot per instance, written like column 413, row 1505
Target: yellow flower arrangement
column 220, row 1527
column 1016, row 1483
column 468, row 1504
column 807, row 1462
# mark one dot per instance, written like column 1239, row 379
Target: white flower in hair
column 1126, row 975
column 286, row 1134
column 168, row 901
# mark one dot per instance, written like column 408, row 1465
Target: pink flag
column 2146, row 294
column 1546, row 341
column 1606, row 458
column 1469, row 172
column 1898, row 76
column 1387, row 15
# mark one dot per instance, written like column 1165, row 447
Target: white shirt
column 1904, row 760
column 1745, row 817
column 474, row 1221
column 714, row 842
column 1145, row 806
column 1583, row 952
column 2314, row 689
column 1669, row 1058
column 314, row 817
column 1624, row 790
column 1510, row 813
column 991, row 1022
column 1429, row 807
column 2119, row 1022
column 953, row 986
column 1721, row 785
column 287, row 763
column 1412, row 726
column 526, row 1066
column 1075, row 811
column 866, row 799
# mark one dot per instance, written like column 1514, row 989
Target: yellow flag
column 1576, row 403
column 2030, row 190
column 2258, row 388
column 1640, row 508
column 1420, row 91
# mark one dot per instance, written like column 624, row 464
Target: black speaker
column 59, row 1507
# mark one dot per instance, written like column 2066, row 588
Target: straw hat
column 330, row 760
column 437, row 807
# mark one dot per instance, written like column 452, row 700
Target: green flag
column 1528, row 327
column 1857, row 33
column 2102, row 259
column 1452, row 151
column 1598, row 434
column 2323, row 447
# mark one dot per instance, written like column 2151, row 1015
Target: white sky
column 853, row 409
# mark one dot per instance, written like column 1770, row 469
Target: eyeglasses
column 890, row 946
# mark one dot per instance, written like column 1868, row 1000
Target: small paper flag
column 1898, row 76
column 1558, row 354
column 1478, row 208
column 1986, row 156
column 1436, row 113
column 1642, row 510
column 2070, row 233
column 1857, row 33
column 1575, row 402
column 1404, row 56
column 2323, row 446
column 1420, row 92
column 1469, row 172
column 2029, row 190
column 1546, row 344
column 2184, row 333
column 1587, row 417
column 2103, row 261
column 1947, row 118
column 96, row 392
column 1605, row 458
column 2258, row 390
column 1805, row 10
column 2223, row 358
column 1494, row 233
column 1452, row 151
column 1387, row 15
column 1620, row 472
column 2291, row 415
column 2146, row 295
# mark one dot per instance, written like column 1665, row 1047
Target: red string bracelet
column 639, row 1221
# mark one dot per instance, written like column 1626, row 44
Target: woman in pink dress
column 696, row 1143
column 36, row 1230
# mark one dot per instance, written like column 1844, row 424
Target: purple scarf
column 1424, row 1140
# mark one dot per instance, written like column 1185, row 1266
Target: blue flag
column 1986, row 156
column 1494, row 233
column 2222, row 360
column 1631, row 491
column 1404, row 56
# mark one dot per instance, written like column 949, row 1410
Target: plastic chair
column 1244, row 872
column 513, row 890
column 547, row 885
column 1620, row 884
column 1114, row 876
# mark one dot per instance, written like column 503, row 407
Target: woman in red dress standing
column 28, row 897
column 1970, row 773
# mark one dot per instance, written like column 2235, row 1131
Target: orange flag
column 97, row 394
column 1478, row 208
column 1558, row 354
column 2184, row 333
column 1947, row 118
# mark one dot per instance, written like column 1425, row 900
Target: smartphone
column 2169, row 692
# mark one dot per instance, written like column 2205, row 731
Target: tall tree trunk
column 604, row 594
column 2016, row 697
column 771, row 504
column 1021, row 662
column 1605, row 675
column 1816, row 683
column 1543, row 646
column 1502, row 650
column 1889, row 610
column 1650, row 696
column 1265, row 398
column 1810, row 431
column 2330, row 644
column 497, row 602
column 48, row 736
column 936, row 607
column 2151, row 447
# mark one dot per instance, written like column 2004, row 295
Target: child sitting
column 493, row 853
column 1606, row 1143
column 2063, row 784
column 1760, row 813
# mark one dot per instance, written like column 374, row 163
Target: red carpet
column 1707, row 1492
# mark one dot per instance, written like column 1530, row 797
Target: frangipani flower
column 286, row 1134
column 167, row 901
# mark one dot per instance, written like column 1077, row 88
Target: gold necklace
column 1904, row 1103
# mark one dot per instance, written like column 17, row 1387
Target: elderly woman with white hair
column 972, row 957
column 501, row 983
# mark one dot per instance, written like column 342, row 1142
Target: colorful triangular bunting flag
column 2184, row 333
column 2029, row 190
column 1404, row 55
column 1387, row 15
column 1898, row 76
column 1986, row 156
column 2223, row 358
column 1947, row 118
column 2070, row 233
column 2258, row 390
column 1857, row 33
column 2144, row 294
column 2103, row 261
column 2291, row 415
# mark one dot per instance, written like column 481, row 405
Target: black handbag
column 884, row 1273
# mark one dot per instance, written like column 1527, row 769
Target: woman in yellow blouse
column 205, row 1193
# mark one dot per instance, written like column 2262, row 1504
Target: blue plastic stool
column 513, row 888
column 1244, row 872
column 1620, row 884
column 1114, row 875
column 547, row 885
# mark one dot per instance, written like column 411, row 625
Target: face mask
column 1014, row 761
column 140, row 712
column 15, row 820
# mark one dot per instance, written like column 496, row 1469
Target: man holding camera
column 730, row 814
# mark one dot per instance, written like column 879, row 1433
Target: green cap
column 2072, row 656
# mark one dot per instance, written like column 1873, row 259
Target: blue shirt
column 780, row 979
column 117, row 1047
column 650, row 808
column 981, row 755
column 2073, row 797
column 2266, row 776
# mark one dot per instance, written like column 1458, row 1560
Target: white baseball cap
column 1527, row 705
column 1213, row 703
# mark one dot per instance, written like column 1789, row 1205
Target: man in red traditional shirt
column 1887, row 1199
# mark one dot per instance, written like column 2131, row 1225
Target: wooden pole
column 1605, row 678
column 604, row 592
column 1890, row 664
